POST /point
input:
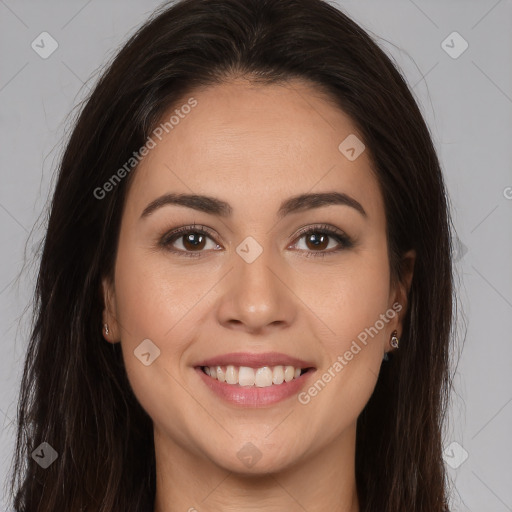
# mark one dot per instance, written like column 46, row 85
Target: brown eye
column 318, row 238
column 194, row 241
column 317, row 241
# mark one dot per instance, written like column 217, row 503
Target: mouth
column 254, row 379
column 244, row 386
column 261, row 377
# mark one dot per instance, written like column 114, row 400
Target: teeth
column 231, row 375
column 278, row 375
column 263, row 377
column 246, row 376
column 220, row 374
column 259, row 377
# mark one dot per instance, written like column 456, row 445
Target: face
column 254, row 272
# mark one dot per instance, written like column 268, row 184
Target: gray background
column 467, row 102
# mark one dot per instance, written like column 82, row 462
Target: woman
column 245, row 290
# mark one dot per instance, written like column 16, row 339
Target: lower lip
column 252, row 396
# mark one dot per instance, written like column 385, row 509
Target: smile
column 254, row 387
column 262, row 377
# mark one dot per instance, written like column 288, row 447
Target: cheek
column 355, row 296
column 162, row 303
column 354, row 300
column 153, row 305
column 152, row 297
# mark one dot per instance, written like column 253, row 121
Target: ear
column 399, row 294
column 109, row 311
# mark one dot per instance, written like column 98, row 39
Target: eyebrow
column 214, row 206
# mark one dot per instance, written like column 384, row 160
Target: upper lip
column 255, row 360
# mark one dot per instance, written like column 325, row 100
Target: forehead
column 247, row 144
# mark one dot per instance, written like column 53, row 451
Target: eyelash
column 344, row 240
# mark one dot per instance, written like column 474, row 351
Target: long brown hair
column 75, row 394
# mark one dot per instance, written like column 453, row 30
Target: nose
column 256, row 296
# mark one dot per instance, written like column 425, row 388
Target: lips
column 253, row 360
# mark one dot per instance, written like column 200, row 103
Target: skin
column 254, row 146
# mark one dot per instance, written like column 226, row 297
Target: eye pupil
column 318, row 240
column 189, row 239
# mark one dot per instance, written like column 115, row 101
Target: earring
column 106, row 329
column 394, row 340
column 394, row 343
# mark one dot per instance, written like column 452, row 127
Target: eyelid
column 319, row 227
column 165, row 239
